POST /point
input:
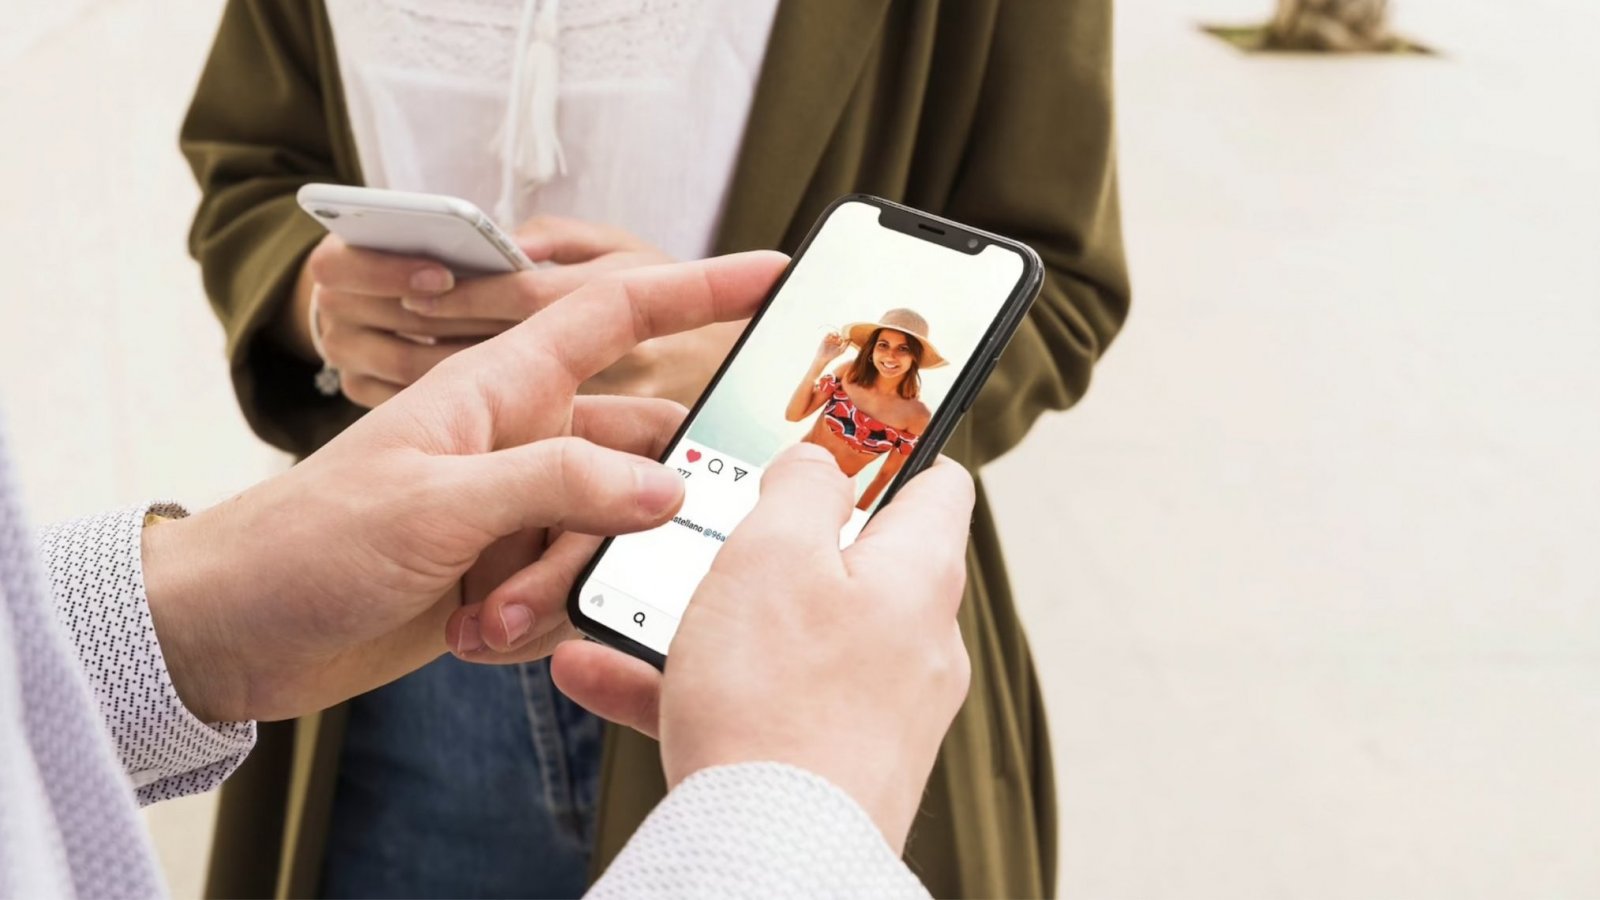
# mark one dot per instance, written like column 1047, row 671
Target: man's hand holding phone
column 338, row 575
column 848, row 663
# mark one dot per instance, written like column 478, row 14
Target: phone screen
column 862, row 350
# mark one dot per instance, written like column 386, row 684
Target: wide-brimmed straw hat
column 904, row 321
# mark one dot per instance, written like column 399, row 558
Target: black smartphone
column 872, row 345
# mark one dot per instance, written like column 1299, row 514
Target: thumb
column 805, row 500
column 565, row 483
column 541, row 591
column 564, row 240
column 609, row 683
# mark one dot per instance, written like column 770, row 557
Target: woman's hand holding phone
column 582, row 251
column 387, row 319
column 378, row 346
column 676, row 367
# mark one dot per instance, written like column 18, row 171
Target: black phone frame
column 916, row 223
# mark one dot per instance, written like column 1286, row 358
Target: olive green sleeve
column 1040, row 167
column 267, row 117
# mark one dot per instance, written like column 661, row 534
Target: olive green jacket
column 996, row 113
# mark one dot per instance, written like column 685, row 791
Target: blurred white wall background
column 1311, row 575
column 113, row 388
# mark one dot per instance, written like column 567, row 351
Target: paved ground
column 1312, row 572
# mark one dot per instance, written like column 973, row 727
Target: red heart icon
column 694, row 455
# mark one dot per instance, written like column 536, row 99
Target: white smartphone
column 447, row 229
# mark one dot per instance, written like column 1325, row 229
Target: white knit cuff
column 97, row 575
column 758, row 830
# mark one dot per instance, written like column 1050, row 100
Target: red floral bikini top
column 861, row 431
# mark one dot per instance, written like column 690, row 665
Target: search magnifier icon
column 638, row 619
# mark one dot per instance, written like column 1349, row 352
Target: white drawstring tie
column 528, row 142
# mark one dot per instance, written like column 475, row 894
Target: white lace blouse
column 629, row 112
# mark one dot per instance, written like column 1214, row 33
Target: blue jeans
column 465, row 781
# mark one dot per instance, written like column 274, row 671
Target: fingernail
column 656, row 488
column 471, row 637
column 432, row 281
column 422, row 305
column 517, row 620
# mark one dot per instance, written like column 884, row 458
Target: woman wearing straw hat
column 870, row 405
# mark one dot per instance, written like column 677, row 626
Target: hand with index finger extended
column 467, row 470
column 847, row 664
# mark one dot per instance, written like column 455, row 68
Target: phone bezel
column 974, row 373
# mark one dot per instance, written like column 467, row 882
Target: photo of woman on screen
column 872, row 405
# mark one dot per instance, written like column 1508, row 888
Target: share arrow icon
column 739, row 473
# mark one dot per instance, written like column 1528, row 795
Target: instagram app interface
column 857, row 353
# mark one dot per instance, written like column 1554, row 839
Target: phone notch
column 931, row 229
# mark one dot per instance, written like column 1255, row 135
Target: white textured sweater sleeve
column 97, row 579
column 757, row 830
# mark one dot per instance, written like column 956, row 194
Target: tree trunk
column 1340, row 26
